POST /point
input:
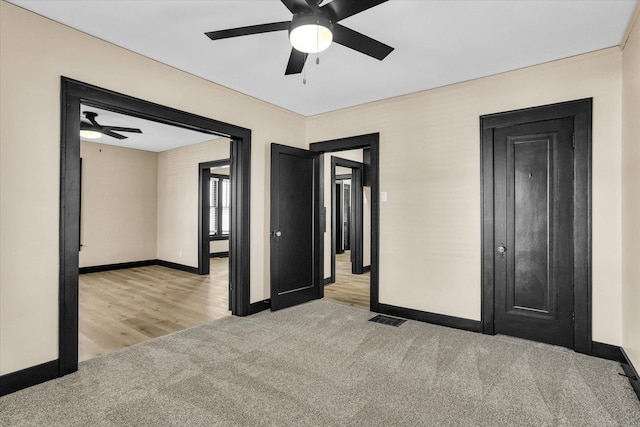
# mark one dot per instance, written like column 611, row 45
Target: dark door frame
column 346, row 209
column 338, row 213
column 203, row 215
column 74, row 93
column 581, row 112
column 356, row 220
column 371, row 144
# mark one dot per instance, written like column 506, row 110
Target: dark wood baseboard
column 617, row 354
column 630, row 372
column 602, row 350
column 436, row 319
column 329, row 280
column 24, row 378
column 175, row 266
column 366, row 269
column 224, row 254
column 259, row 306
column 134, row 264
column 119, row 266
column 606, row 351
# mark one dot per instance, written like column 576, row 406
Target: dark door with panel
column 533, row 196
column 294, row 222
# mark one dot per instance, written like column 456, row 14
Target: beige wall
column 119, row 202
column 35, row 53
column 430, row 168
column 631, row 196
column 178, row 198
column 219, row 246
column 120, row 210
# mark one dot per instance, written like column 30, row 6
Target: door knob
column 278, row 233
column 502, row 249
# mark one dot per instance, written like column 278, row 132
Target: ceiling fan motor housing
column 311, row 32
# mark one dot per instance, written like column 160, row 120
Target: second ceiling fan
column 92, row 129
column 314, row 27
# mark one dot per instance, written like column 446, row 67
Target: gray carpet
column 323, row 364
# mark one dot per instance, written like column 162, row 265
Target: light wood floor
column 121, row 308
column 124, row 307
column 349, row 289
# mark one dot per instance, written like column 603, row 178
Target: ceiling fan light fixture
column 310, row 33
column 90, row 134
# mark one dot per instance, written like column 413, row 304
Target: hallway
column 349, row 289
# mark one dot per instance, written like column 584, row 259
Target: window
column 219, row 205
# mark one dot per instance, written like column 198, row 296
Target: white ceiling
column 155, row 136
column 436, row 42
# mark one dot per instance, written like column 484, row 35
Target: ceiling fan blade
column 342, row 9
column 313, row 4
column 113, row 134
column 357, row 41
column 120, row 129
column 296, row 6
column 92, row 118
column 296, row 62
column 245, row 31
column 86, row 126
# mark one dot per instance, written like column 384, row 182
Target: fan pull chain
column 317, row 43
column 304, row 75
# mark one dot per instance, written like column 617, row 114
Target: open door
column 295, row 226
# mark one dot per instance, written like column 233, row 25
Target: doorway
column 536, row 168
column 75, row 93
column 364, row 188
column 349, row 281
column 347, row 224
column 138, row 211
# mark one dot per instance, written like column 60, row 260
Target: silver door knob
column 502, row 249
column 278, row 233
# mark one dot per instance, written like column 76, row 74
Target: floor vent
column 386, row 320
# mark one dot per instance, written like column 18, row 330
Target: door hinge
column 573, row 319
column 573, row 141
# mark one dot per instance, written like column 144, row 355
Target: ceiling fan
column 91, row 129
column 314, row 27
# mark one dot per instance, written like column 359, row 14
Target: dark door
column 533, row 185
column 293, row 186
